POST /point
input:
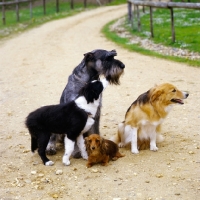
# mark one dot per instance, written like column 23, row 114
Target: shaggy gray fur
column 94, row 64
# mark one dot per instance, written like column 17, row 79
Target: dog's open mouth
column 180, row 101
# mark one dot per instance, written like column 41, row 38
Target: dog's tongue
column 179, row 101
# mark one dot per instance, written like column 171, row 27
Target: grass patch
column 12, row 26
column 186, row 27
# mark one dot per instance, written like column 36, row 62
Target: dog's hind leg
column 153, row 146
column 131, row 134
column 43, row 140
column 69, row 147
column 34, row 144
column 51, row 147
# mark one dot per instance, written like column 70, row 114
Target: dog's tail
column 34, row 144
column 117, row 138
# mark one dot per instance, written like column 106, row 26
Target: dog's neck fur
column 85, row 74
column 91, row 108
column 161, row 110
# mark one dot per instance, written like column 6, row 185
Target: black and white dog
column 94, row 64
column 73, row 119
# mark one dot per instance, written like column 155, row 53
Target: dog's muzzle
column 122, row 66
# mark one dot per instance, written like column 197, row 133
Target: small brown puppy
column 101, row 150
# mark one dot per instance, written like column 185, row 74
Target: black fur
column 96, row 63
column 62, row 118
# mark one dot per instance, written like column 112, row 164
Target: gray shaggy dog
column 96, row 63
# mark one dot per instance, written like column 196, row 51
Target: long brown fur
column 101, row 150
column 149, row 109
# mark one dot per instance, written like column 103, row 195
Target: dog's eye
column 89, row 140
column 174, row 90
column 97, row 141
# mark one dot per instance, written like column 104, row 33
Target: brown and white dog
column 144, row 117
column 101, row 150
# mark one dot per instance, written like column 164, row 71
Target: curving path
column 34, row 68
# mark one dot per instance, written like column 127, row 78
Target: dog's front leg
column 81, row 146
column 69, row 147
column 133, row 134
column 153, row 146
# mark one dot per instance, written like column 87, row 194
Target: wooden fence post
column 172, row 24
column 129, row 12
column 57, row 6
column 31, row 8
column 138, row 18
column 17, row 10
column 72, row 4
column 3, row 13
column 44, row 7
column 151, row 21
column 85, row 3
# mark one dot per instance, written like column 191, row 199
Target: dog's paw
column 66, row 161
column 51, row 150
column 135, row 151
column 85, row 156
column 154, row 148
column 120, row 145
column 49, row 163
column 89, row 165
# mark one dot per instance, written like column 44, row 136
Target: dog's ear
column 155, row 94
column 87, row 145
column 92, row 91
column 89, row 57
column 111, row 53
column 86, row 139
column 103, row 146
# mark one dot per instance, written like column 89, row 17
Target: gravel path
column 34, row 68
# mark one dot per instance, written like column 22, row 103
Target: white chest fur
column 148, row 128
column 90, row 108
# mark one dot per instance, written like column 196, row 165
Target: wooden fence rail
column 3, row 4
column 150, row 4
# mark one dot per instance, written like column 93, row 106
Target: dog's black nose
column 122, row 66
column 187, row 95
column 93, row 148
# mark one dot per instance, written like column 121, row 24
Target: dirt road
column 34, row 68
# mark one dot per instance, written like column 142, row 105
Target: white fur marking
column 153, row 146
column 134, row 147
column 121, row 133
column 105, row 83
column 69, row 147
column 91, row 107
column 49, row 163
column 81, row 145
column 88, row 125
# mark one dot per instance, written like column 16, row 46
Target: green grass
column 187, row 28
column 187, row 35
column 187, row 31
column 124, row 42
column 12, row 26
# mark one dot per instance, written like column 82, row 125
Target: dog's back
column 112, row 149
